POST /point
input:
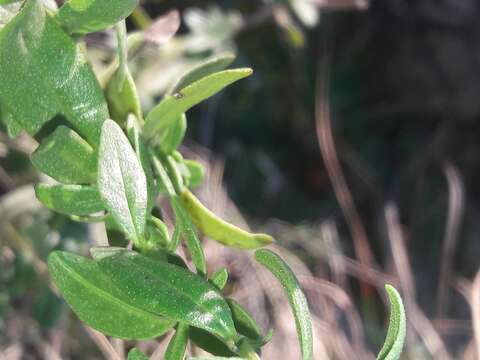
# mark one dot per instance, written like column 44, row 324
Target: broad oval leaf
column 392, row 348
column 99, row 303
column 122, row 182
column 136, row 354
column 298, row 302
column 85, row 16
column 187, row 231
column 70, row 199
column 66, row 157
column 169, row 110
column 171, row 291
column 178, row 344
column 44, row 73
column 220, row 230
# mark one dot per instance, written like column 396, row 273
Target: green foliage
column 298, row 302
column 136, row 354
column 122, row 182
column 392, row 348
column 70, row 199
column 108, row 160
column 47, row 74
column 218, row 229
column 85, row 16
column 99, row 303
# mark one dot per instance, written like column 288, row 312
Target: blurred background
column 356, row 144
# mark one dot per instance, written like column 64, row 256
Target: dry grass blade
column 334, row 169
column 456, row 200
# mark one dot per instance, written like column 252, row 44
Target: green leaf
column 133, row 133
column 178, row 344
column 44, row 73
column 220, row 230
column 122, row 97
column 66, row 157
column 206, row 68
column 169, row 110
column 298, row 302
column 209, row 343
column 197, row 173
column 187, row 231
column 172, row 136
column 392, row 348
column 215, row 358
column 85, row 16
column 136, row 354
column 244, row 323
column 169, row 290
column 70, row 199
column 99, row 303
column 122, row 182
column 219, row 278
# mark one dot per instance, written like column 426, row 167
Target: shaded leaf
column 122, row 182
column 66, row 157
column 188, row 232
column 296, row 298
column 99, row 303
column 169, row 110
column 171, row 291
column 244, row 323
column 44, row 73
column 136, row 354
column 85, row 16
column 220, row 278
column 172, row 137
column 70, row 199
column 209, row 342
column 220, row 230
column 178, row 344
column 392, row 348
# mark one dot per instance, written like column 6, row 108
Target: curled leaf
column 392, row 348
column 297, row 299
column 220, row 230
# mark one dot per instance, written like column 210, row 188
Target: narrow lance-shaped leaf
column 85, row 16
column 170, row 108
column 392, row 348
column 99, row 303
column 122, row 182
column 66, row 157
column 178, row 344
column 44, row 73
column 244, row 323
column 70, row 199
column 206, row 68
column 296, row 298
column 220, row 230
column 187, row 231
column 219, row 278
column 136, row 354
column 172, row 291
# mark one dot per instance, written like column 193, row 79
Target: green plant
column 112, row 165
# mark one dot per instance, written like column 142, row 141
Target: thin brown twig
column 334, row 169
column 456, row 196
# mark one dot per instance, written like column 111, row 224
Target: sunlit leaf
column 392, row 348
column 99, row 303
column 85, row 16
column 220, row 230
column 170, row 108
column 219, row 278
column 298, row 302
column 172, row 291
column 122, row 182
column 44, row 73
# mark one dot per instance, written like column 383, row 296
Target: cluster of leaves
column 110, row 164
